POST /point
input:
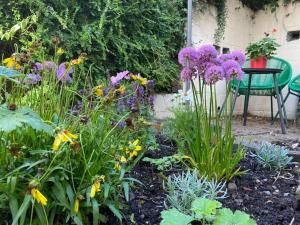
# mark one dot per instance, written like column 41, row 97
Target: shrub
column 116, row 35
column 184, row 188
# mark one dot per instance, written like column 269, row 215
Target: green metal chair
column 263, row 84
column 294, row 89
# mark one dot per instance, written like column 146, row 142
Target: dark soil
column 268, row 196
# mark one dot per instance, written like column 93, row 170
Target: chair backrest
column 295, row 84
column 265, row 81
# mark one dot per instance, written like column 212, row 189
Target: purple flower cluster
column 31, row 79
column 209, row 65
column 120, row 76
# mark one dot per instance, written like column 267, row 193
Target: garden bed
column 268, row 196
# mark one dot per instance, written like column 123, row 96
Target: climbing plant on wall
column 263, row 4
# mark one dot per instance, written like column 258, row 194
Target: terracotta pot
column 260, row 62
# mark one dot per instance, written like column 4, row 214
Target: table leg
column 246, row 103
column 279, row 104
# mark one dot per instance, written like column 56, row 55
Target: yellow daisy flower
column 139, row 79
column 99, row 91
column 61, row 137
column 10, row 62
column 60, row 51
column 38, row 196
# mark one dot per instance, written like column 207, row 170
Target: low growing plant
column 272, row 156
column 206, row 211
column 183, row 188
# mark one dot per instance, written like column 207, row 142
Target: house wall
column 242, row 27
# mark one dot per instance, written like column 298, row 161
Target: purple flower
column 238, row 56
column 122, row 124
column 207, row 53
column 186, row 74
column 38, row 66
column 63, row 73
column 232, row 69
column 49, row 65
column 131, row 101
column 120, row 106
column 140, row 91
column 213, row 74
column 105, row 91
column 189, row 54
column 32, row 78
column 225, row 57
column 120, row 76
column 151, row 102
column 150, row 84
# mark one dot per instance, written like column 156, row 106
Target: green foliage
column 200, row 137
column 206, row 211
column 165, row 163
column 266, row 47
column 263, row 4
column 10, row 120
column 221, row 20
column 117, row 35
column 272, row 156
column 227, row 217
column 174, row 217
column 184, row 188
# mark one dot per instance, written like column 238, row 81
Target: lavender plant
column 183, row 188
column 210, row 142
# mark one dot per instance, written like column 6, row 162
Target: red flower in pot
column 259, row 52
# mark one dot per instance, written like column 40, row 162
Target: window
column 293, row 35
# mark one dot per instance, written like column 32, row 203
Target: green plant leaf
column 174, row 217
column 21, row 117
column 126, row 190
column 22, row 210
column 226, row 217
column 205, row 208
column 115, row 211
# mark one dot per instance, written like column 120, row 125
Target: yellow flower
column 18, row 67
column 99, row 91
column 96, row 187
column 76, row 61
column 60, row 51
column 61, row 137
column 38, row 196
column 133, row 148
column 122, row 90
column 123, row 159
column 76, row 206
column 139, row 79
column 117, row 166
column 10, row 62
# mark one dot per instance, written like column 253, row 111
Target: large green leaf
column 226, row 217
column 205, row 208
column 10, row 120
column 174, row 217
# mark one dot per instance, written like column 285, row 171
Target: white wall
column 244, row 26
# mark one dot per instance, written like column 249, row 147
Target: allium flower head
column 207, row 53
column 213, row 74
column 238, row 56
column 189, row 54
column 232, row 69
column 120, row 76
column 49, row 65
column 186, row 74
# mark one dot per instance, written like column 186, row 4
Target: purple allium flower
column 225, row 57
column 151, row 102
column 189, row 54
column 238, row 56
column 32, row 78
column 232, row 69
column 186, row 74
column 120, row 76
column 213, row 74
column 38, row 66
column 49, row 65
column 63, row 73
column 207, row 53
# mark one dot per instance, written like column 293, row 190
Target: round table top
column 261, row 70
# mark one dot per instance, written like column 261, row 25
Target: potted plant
column 259, row 52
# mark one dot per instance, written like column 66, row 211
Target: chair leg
column 272, row 117
column 283, row 107
column 283, row 102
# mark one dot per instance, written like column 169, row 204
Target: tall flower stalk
column 211, row 143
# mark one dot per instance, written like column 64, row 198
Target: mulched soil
column 268, row 196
